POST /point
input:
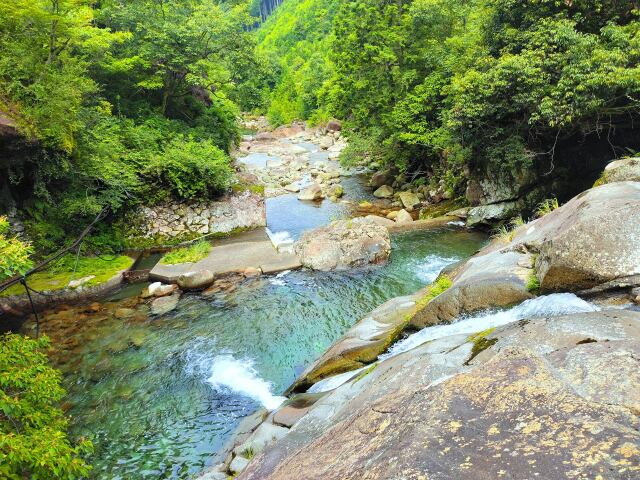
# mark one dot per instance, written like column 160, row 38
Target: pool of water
column 285, row 213
column 159, row 396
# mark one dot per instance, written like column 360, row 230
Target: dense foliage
column 440, row 87
column 33, row 438
column 119, row 102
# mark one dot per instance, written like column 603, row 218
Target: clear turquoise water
column 140, row 389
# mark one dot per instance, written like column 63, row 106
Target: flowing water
column 159, row 395
column 546, row 305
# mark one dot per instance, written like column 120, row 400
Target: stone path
column 247, row 250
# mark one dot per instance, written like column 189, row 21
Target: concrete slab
column 251, row 249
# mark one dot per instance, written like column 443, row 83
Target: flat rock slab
column 229, row 257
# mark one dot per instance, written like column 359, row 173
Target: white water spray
column 239, row 376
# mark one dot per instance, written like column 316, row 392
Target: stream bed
column 159, row 396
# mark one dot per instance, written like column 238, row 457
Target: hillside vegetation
column 445, row 88
column 115, row 103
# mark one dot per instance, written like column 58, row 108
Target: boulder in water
column 335, row 191
column 312, row 192
column 195, row 280
column 163, row 305
column 344, row 244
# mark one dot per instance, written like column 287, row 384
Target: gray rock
column 520, row 410
column 164, row 305
column 627, row 169
column 238, row 464
column 493, row 213
column 385, row 191
column 592, row 239
column 195, row 280
column 326, row 142
column 263, row 436
column 489, row 279
column 344, row 244
column 409, row 200
column 376, row 220
column 380, row 178
column 402, row 216
column 312, row 192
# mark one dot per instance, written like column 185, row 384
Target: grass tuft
column 480, row 343
column 441, row 284
column 547, row 206
column 191, row 254
column 506, row 232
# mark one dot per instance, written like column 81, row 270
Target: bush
column 14, row 254
column 191, row 169
column 33, row 429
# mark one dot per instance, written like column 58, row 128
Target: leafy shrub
column 191, row 254
column 191, row 169
column 14, row 254
column 33, row 429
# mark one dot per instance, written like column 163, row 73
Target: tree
column 33, row 438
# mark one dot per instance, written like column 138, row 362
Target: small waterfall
column 546, row 305
column 239, row 376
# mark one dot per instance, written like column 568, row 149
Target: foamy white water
column 283, row 241
column 430, row 267
column 546, row 305
column 239, row 376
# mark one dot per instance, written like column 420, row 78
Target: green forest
column 109, row 105
column 120, row 103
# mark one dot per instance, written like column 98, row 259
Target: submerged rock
column 344, row 244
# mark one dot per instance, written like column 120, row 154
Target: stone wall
column 244, row 210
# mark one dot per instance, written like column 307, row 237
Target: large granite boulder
column 544, row 398
column 493, row 278
column 344, row 244
column 362, row 343
column 593, row 239
column 627, row 169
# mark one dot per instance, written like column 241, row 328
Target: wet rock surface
column 523, row 412
column 344, row 244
